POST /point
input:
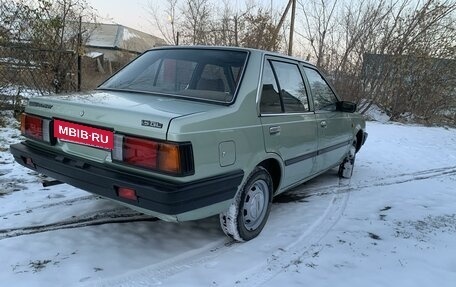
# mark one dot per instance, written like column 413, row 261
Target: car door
column 334, row 127
column 289, row 127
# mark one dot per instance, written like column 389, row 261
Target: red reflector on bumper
column 28, row 161
column 127, row 193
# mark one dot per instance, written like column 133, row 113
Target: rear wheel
column 248, row 213
column 346, row 167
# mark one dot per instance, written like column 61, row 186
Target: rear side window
column 270, row 98
column 324, row 98
column 292, row 89
column 283, row 89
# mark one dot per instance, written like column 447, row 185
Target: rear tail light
column 140, row 152
column 169, row 159
column 127, row 193
column 36, row 127
column 165, row 157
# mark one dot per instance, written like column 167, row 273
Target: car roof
column 231, row 48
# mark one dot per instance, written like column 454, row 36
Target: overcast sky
column 130, row 13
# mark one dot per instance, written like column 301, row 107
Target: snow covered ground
column 392, row 224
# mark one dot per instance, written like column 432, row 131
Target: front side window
column 194, row 73
column 324, row 98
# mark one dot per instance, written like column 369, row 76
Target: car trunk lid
column 115, row 112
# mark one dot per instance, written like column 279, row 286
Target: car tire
column 247, row 215
column 347, row 166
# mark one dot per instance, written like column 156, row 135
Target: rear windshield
column 195, row 73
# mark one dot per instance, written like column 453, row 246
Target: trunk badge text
column 146, row 123
column 81, row 113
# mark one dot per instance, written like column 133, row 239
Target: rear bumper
column 164, row 197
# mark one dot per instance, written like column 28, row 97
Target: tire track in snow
column 384, row 181
column 157, row 273
column 96, row 218
column 301, row 190
column 279, row 260
column 308, row 240
column 49, row 205
column 308, row 243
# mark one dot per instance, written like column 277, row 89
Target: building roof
column 118, row 37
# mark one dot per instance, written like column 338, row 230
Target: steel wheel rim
column 255, row 204
column 352, row 151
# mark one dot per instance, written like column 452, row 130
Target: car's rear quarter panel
column 238, row 123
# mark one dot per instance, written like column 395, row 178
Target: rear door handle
column 323, row 124
column 274, row 130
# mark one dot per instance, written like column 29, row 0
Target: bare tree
column 168, row 21
column 210, row 22
column 224, row 26
column 395, row 54
column 319, row 18
column 417, row 42
column 196, row 16
column 227, row 26
column 258, row 30
column 42, row 36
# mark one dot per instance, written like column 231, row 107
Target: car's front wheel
column 346, row 167
column 248, row 213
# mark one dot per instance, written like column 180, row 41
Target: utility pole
column 236, row 41
column 292, row 4
column 282, row 19
column 79, row 51
column 293, row 13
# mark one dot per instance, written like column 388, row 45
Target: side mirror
column 346, row 107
